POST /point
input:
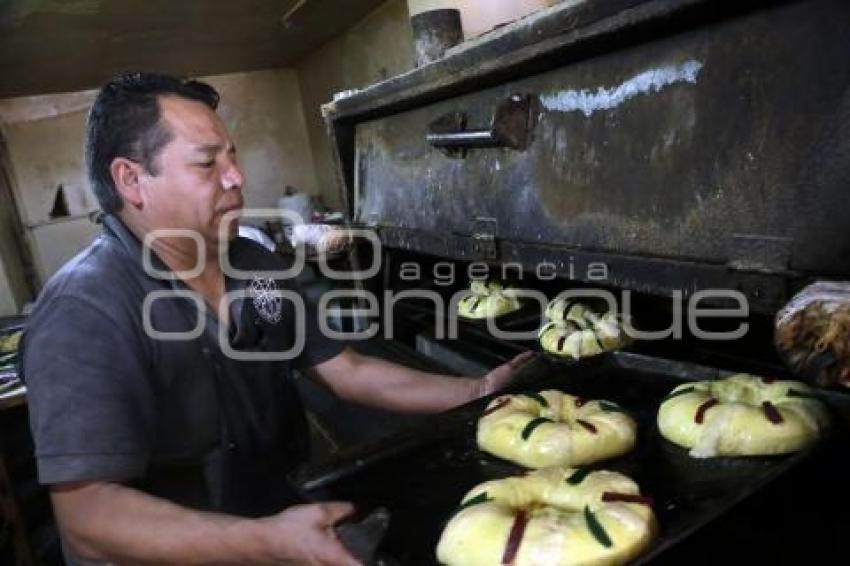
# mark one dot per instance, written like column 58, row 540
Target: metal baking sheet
column 421, row 476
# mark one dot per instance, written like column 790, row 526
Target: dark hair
column 125, row 122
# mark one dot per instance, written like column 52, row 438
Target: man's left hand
column 500, row 377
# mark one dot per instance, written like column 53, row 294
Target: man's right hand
column 304, row 534
column 106, row 522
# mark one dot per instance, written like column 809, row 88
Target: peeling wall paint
column 44, row 154
column 45, row 134
column 647, row 82
column 13, row 11
column 31, row 108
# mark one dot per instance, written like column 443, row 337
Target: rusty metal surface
column 672, row 149
column 566, row 34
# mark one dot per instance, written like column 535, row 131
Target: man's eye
column 207, row 164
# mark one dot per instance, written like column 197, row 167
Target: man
column 171, row 451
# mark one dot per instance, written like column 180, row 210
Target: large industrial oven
column 655, row 149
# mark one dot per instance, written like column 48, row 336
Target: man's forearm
column 107, row 522
column 378, row 383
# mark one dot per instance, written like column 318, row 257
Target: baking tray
column 421, row 475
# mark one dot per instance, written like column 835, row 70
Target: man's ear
column 125, row 175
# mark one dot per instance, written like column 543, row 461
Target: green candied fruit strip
column 537, row 397
column 684, row 391
column 803, row 394
column 596, row 529
column 610, row 407
column 578, row 476
column 478, row 499
column 529, row 428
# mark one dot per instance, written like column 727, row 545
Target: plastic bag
column 813, row 333
column 321, row 238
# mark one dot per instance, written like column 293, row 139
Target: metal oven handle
column 510, row 127
column 465, row 139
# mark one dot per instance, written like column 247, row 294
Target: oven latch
column 760, row 254
column 511, row 127
column 762, row 264
column 484, row 239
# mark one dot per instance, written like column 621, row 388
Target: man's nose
column 231, row 177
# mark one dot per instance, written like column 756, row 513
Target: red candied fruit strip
column 610, row 497
column 588, row 426
column 772, row 413
column 515, row 537
column 700, row 416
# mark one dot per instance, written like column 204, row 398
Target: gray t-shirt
column 177, row 419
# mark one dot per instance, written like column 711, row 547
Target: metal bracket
column 511, row 127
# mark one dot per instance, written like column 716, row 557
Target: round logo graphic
column 267, row 300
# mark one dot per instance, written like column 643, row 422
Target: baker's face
column 197, row 180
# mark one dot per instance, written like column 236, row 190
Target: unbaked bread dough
column 742, row 415
column 488, row 299
column 574, row 330
column 553, row 517
column 552, row 428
